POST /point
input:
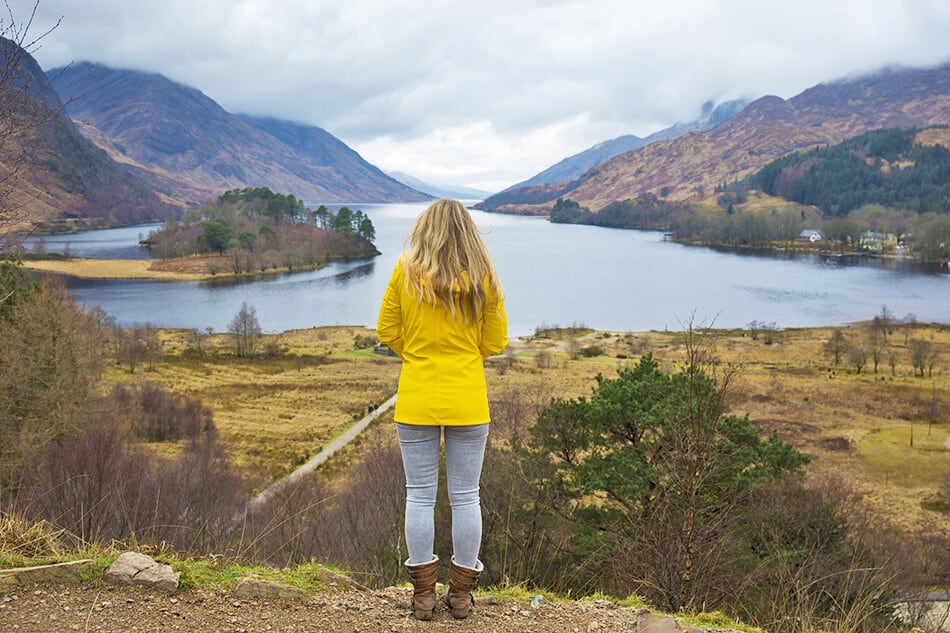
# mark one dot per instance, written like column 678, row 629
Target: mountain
column 51, row 173
column 189, row 148
column 690, row 167
column 457, row 192
column 574, row 166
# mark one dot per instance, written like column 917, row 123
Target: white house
column 810, row 235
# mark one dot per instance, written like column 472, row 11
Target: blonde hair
column 446, row 262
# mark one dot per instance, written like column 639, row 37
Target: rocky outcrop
column 132, row 568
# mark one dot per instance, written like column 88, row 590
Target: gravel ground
column 54, row 608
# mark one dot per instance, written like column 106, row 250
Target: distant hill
column 457, row 192
column 574, row 166
column 189, row 148
column 690, row 167
column 59, row 175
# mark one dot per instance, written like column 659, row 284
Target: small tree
column 883, row 322
column 367, row 230
column 858, row 357
column 836, row 346
column 217, row 235
column 131, row 346
column 246, row 330
column 920, row 352
column 892, row 360
column 877, row 343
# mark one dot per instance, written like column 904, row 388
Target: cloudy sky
column 487, row 93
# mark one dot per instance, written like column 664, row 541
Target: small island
column 245, row 232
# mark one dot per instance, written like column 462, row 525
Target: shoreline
column 179, row 269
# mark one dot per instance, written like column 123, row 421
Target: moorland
column 881, row 435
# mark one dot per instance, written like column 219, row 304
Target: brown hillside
column 48, row 172
column 690, row 167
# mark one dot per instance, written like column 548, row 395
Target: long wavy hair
column 446, row 261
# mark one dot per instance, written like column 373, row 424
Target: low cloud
column 487, row 94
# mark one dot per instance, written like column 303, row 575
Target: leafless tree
column 19, row 113
column 920, row 352
column 836, row 345
column 858, row 357
column 876, row 346
column 246, row 330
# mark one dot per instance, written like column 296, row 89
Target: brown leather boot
column 459, row 597
column 423, row 579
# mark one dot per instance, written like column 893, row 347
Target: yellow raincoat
column 442, row 381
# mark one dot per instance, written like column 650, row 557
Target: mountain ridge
column 690, row 167
column 186, row 145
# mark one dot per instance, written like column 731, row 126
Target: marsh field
column 883, row 437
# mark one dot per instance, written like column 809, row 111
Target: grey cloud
column 368, row 69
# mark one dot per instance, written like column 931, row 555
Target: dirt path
column 320, row 458
column 42, row 609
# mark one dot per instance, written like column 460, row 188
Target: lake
column 553, row 274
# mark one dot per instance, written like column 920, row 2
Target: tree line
column 645, row 212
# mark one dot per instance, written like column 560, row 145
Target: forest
column 886, row 167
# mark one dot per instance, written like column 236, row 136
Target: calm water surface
column 607, row 279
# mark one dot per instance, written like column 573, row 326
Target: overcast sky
column 487, row 93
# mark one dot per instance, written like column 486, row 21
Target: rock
column 132, row 568
column 328, row 577
column 251, row 587
column 656, row 623
column 60, row 572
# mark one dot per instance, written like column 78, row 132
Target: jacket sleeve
column 389, row 323
column 494, row 338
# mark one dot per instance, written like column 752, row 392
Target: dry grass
column 196, row 268
column 23, row 539
column 275, row 413
column 111, row 269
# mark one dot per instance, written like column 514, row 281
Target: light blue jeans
column 464, row 454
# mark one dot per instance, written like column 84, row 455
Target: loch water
column 553, row 274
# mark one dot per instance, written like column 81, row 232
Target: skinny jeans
column 464, row 455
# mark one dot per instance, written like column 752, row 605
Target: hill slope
column 691, row 166
column 574, row 166
column 187, row 146
column 59, row 175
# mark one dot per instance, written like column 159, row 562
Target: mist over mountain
column 189, row 148
column 458, row 192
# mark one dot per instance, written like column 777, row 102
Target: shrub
column 592, row 351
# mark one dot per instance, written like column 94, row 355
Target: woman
column 443, row 315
